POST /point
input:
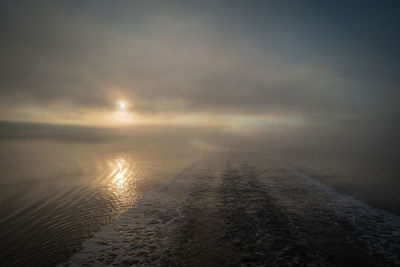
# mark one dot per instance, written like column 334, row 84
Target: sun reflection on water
column 120, row 175
column 123, row 181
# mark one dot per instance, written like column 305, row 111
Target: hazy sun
column 122, row 105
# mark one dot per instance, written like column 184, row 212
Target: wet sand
column 232, row 211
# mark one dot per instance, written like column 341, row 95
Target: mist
column 199, row 133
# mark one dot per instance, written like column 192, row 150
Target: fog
column 302, row 77
column 102, row 102
column 362, row 141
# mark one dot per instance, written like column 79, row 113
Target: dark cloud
column 201, row 58
column 334, row 65
column 23, row 131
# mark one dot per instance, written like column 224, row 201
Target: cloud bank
column 311, row 68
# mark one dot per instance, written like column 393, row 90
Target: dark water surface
column 84, row 205
column 374, row 182
column 233, row 211
column 54, row 196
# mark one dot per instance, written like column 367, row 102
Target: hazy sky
column 238, row 64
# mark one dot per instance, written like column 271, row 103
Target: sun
column 122, row 112
column 122, row 105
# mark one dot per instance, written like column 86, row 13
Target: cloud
column 22, row 131
column 264, row 77
column 81, row 58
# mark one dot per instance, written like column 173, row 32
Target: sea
column 73, row 204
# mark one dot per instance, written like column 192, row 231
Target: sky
column 286, row 71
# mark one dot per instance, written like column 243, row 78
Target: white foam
column 378, row 229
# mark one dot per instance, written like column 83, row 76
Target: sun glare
column 122, row 105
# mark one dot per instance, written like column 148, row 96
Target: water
column 54, row 196
column 233, row 211
column 76, row 204
column 372, row 181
